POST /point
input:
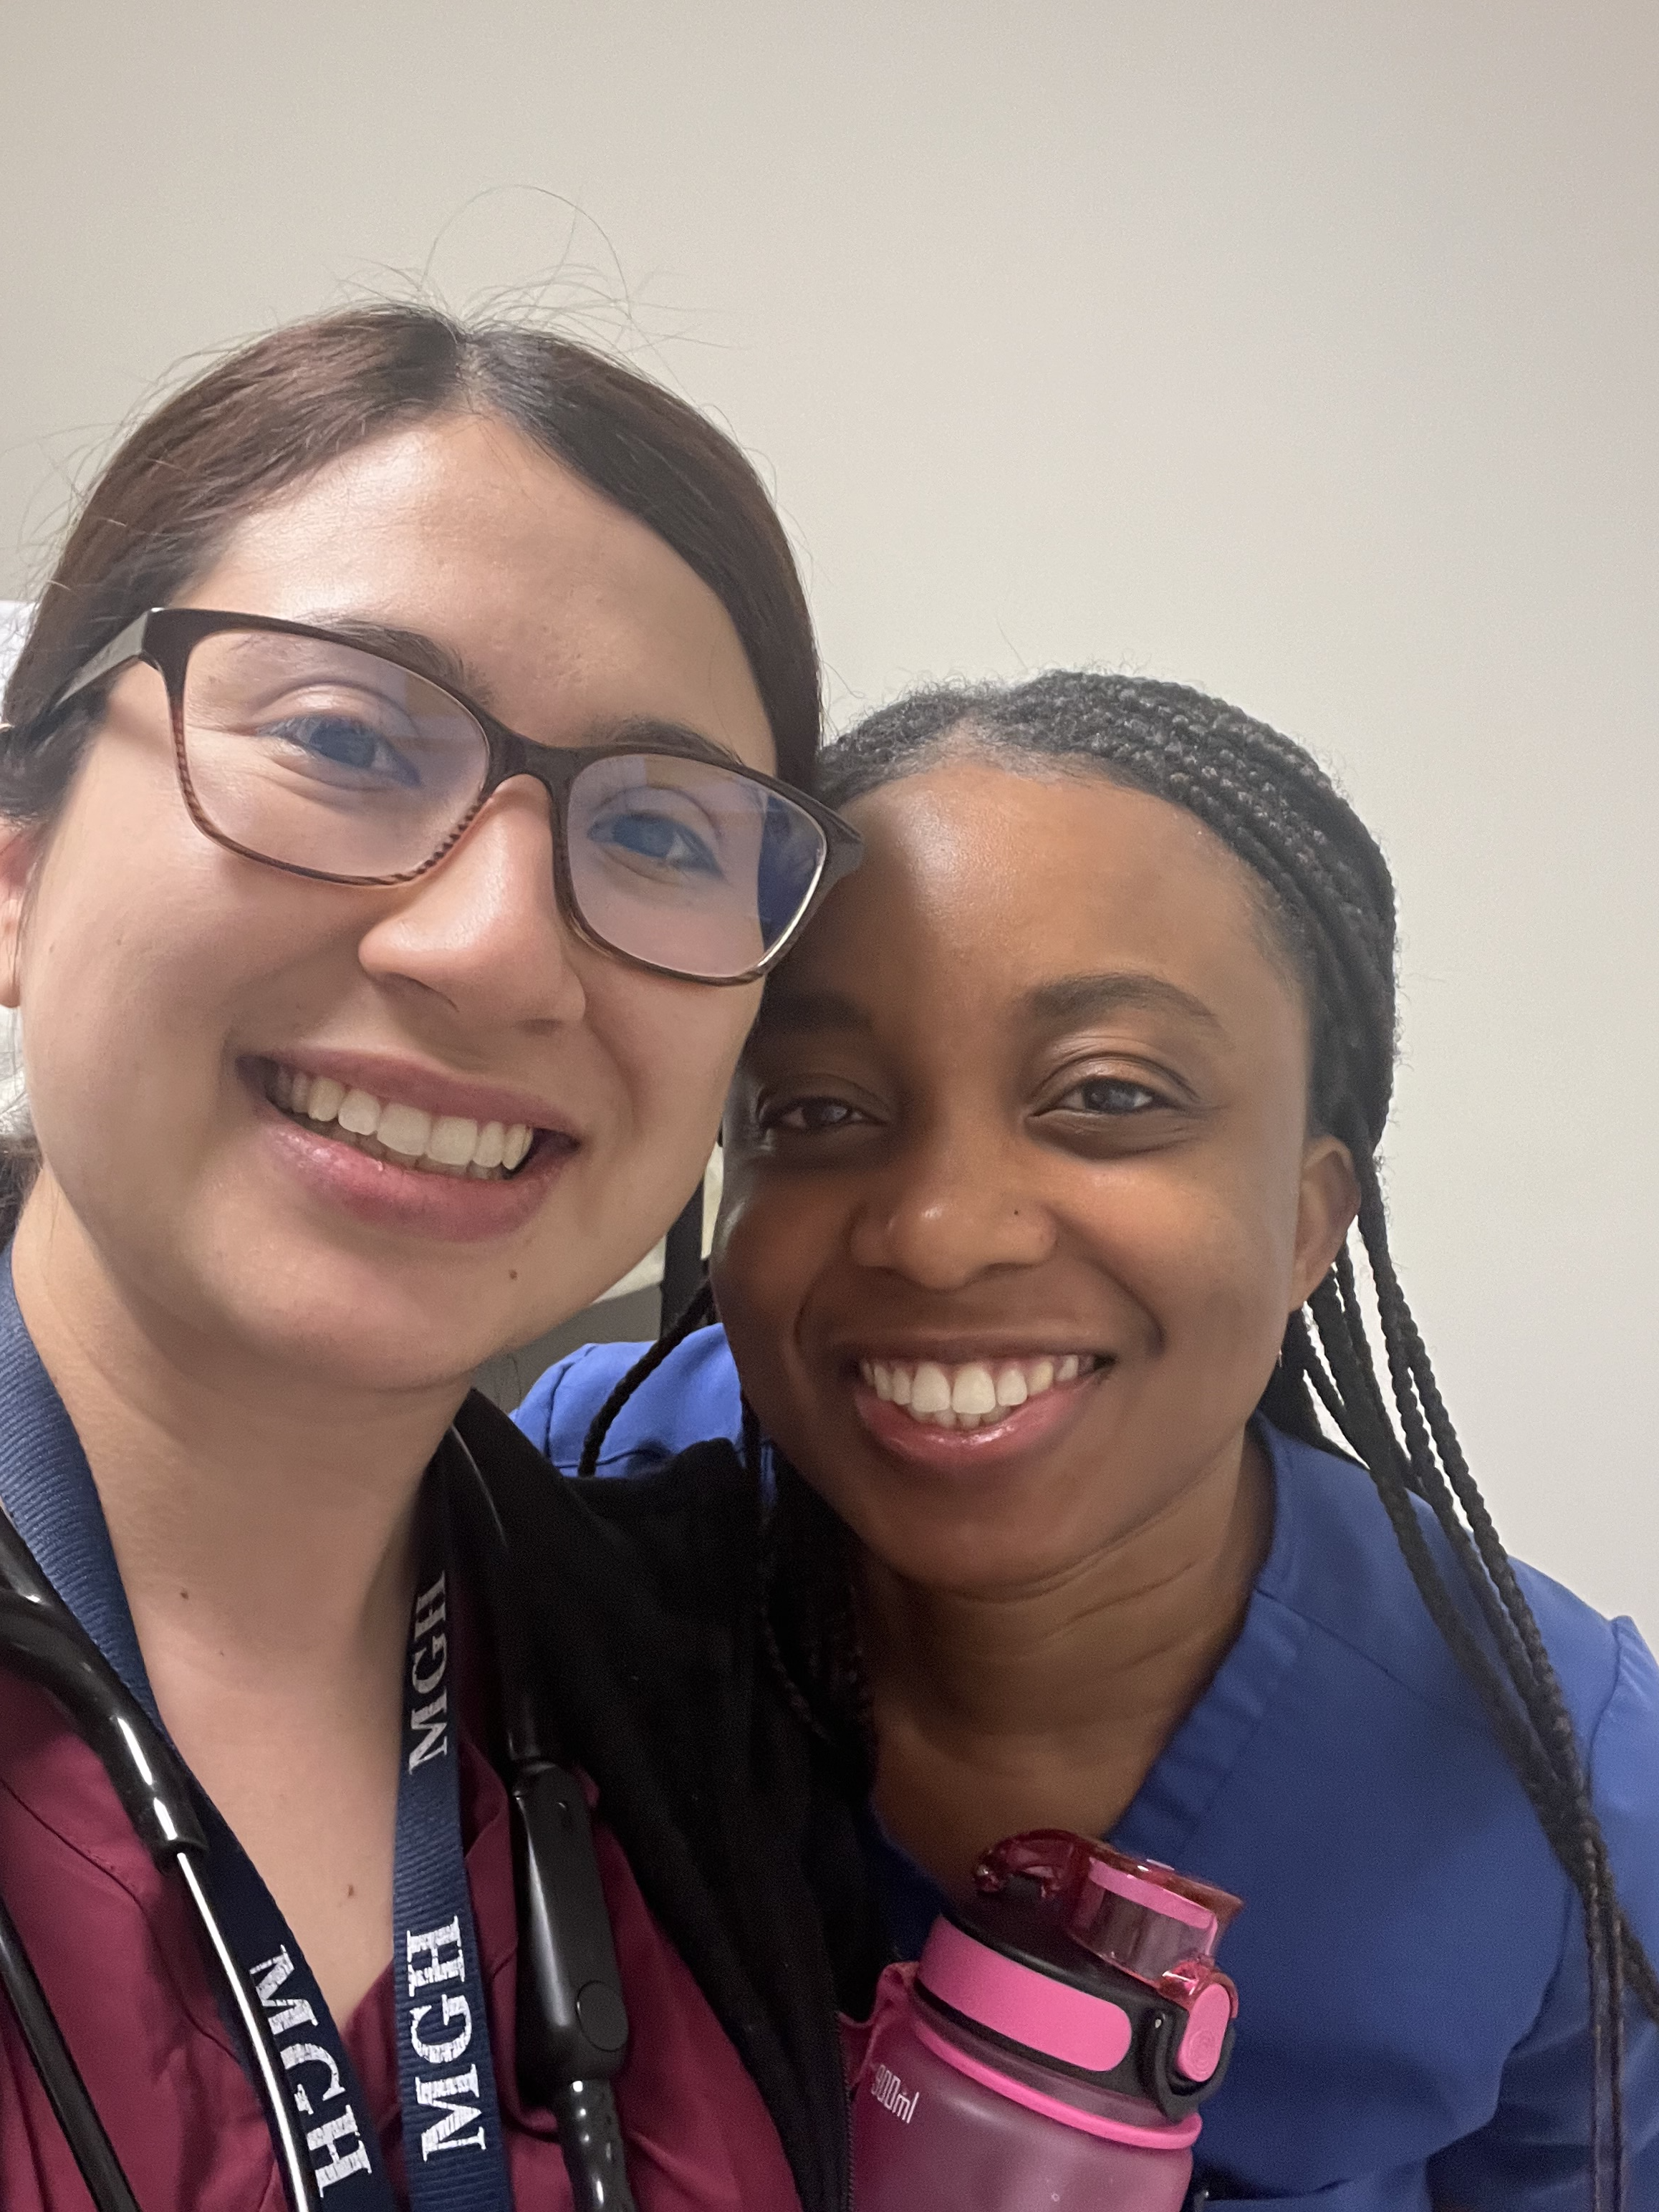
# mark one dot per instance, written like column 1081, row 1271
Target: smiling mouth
column 973, row 1393
column 407, row 1136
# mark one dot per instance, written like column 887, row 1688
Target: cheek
column 126, row 953
column 1208, row 1260
column 768, row 1249
column 144, row 947
column 670, row 1049
column 673, row 1045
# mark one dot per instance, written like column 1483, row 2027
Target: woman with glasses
column 402, row 792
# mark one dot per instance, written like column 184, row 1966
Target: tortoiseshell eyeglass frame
column 165, row 637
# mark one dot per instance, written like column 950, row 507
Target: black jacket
column 642, row 1603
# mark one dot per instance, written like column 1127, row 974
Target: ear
column 19, row 850
column 1328, row 1200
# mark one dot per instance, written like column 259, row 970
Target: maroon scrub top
column 112, row 1944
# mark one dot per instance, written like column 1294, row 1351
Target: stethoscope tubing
column 590, row 2128
column 40, row 1637
column 571, row 1956
column 60, row 2077
column 569, row 2048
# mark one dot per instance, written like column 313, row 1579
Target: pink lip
column 410, row 1201
column 431, row 1088
column 960, row 1451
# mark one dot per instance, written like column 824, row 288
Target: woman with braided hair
column 1078, row 1496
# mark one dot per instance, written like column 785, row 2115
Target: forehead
column 560, row 608
column 981, row 884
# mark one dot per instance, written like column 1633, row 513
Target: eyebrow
column 412, row 648
column 676, row 737
column 785, row 1012
column 429, row 657
column 1078, row 997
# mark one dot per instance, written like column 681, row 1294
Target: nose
column 953, row 1207
column 483, row 932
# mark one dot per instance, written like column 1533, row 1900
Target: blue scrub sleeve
column 1533, row 2154
column 692, row 1395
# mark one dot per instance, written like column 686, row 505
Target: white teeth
column 359, row 1113
column 445, row 1143
column 1012, row 1389
column 403, row 1130
column 453, row 1141
column 965, row 1396
column 972, row 1392
column 930, row 1389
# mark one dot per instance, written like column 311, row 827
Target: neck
column 256, row 1515
column 1058, row 1697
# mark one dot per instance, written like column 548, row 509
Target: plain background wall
column 1304, row 351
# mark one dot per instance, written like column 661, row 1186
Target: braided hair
column 1329, row 900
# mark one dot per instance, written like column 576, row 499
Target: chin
column 329, row 1324
column 378, row 1346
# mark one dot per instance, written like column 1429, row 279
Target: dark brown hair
column 266, row 417
column 269, row 415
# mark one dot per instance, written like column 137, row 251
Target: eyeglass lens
column 315, row 754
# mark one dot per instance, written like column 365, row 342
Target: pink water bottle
column 1050, row 2050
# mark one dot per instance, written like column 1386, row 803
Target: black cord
column 60, row 2077
column 573, row 2018
column 591, row 2133
column 41, row 1639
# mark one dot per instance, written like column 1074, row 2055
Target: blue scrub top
column 1413, row 2000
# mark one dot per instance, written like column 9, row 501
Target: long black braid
column 1328, row 899
column 804, row 1549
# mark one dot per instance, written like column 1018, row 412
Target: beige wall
column 1306, row 351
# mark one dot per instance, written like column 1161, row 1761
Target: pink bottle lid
column 1137, row 1915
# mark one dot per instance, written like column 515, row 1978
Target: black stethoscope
column 572, row 2023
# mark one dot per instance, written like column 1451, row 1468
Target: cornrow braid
column 812, row 1642
column 699, row 1311
column 1328, row 899
column 802, row 1548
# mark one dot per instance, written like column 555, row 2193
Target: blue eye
column 658, row 840
column 342, row 742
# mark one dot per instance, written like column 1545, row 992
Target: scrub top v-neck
column 1413, row 2027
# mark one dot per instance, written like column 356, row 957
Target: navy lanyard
column 453, row 2145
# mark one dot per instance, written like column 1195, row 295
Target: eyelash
column 1149, row 1099
column 778, row 1116
column 821, row 1116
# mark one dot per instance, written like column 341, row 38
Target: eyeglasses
column 299, row 747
